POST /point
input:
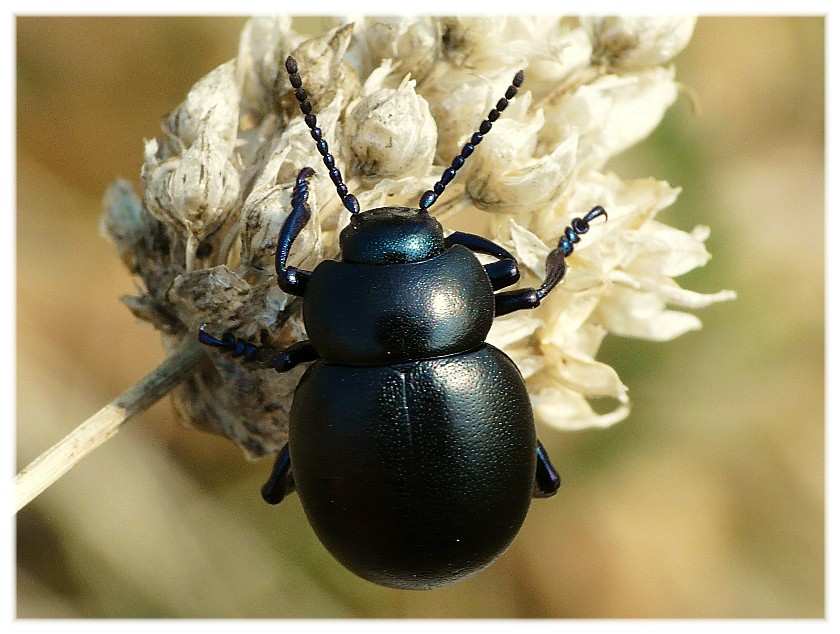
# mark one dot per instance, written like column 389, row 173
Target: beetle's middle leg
column 281, row 482
column 280, row 360
column 555, row 268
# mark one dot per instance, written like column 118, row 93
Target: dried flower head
column 397, row 98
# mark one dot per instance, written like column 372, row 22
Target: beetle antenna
column 349, row 200
column 429, row 198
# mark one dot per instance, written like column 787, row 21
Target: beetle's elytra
column 412, row 444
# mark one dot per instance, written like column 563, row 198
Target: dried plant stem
column 61, row 457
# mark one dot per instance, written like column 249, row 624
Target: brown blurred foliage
column 707, row 502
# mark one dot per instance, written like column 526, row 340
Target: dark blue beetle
column 411, row 440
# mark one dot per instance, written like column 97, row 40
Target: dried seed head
column 322, row 68
column 196, row 192
column 217, row 189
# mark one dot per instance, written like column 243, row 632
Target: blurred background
column 707, row 502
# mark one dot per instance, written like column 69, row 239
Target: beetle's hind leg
column 281, row 482
column 547, row 480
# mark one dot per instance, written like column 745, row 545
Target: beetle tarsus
column 555, row 267
column 282, row 361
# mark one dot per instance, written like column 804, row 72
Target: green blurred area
column 707, row 502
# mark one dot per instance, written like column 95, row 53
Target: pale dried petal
column 529, row 364
column 569, row 410
column 631, row 313
column 391, row 193
column 392, row 133
column 565, row 54
column 612, row 113
column 212, row 103
column 566, row 313
column 585, row 375
column 264, row 44
column 506, row 333
column 638, row 42
column 415, row 43
column 669, row 291
column 663, row 250
column 458, row 102
column 301, row 152
column 487, row 43
column 530, row 250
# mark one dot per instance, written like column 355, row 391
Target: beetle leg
column 555, row 270
column 503, row 273
column 281, row 482
column 547, row 480
column 292, row 279
column 555, row 267
column 282, row 361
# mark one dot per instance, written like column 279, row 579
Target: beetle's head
column 391, row 235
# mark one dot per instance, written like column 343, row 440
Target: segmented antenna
column 429, row 198
column 348, row 199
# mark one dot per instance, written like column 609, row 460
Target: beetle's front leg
column 504, row 272
column 282, row 360
column 292, row 279
column 555, row 268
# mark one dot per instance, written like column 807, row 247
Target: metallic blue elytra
column 412, row 444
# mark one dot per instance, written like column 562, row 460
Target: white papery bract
column 396, row 99
column 635, row 43
column 392, row 133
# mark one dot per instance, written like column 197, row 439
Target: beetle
column 412, row 444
